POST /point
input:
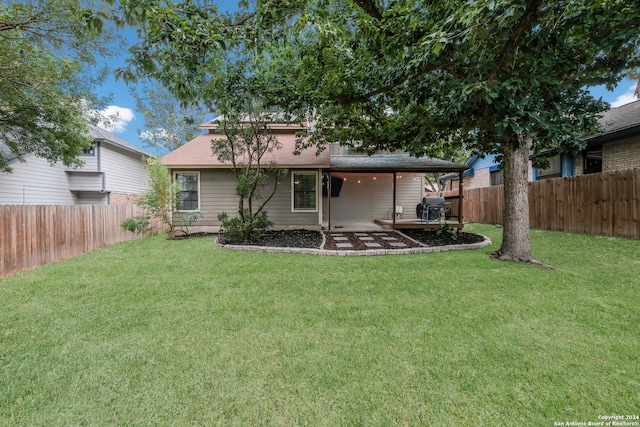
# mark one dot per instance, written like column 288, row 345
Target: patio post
column 460, row 192
column 329, row 202
column 393, row 212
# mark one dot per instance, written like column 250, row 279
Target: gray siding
column 217, row 194
column 35, row 182
column 90, row 163
column 124, row 171
column 280, row 206
column 85, row 181
column 92, row 198
column 363, row 198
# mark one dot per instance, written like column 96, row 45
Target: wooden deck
column 416, row 224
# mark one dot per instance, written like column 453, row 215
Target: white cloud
column 625, row 98
column 155, row 133
column 116, row 118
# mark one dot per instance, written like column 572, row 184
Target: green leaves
column 48, row 73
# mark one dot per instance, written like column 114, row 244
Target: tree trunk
column 516, row 244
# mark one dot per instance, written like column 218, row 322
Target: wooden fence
column 32, row 235
column 606, row 204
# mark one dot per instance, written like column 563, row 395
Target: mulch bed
column 285, row 239
column 442, row 238
column 313, row 239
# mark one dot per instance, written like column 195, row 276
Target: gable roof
column 99, row 134
column 197, row 152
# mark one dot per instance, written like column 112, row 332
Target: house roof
column 616, row 122
column 197, row 153
column 401, row 162
column 99, row 134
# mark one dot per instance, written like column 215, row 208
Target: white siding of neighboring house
column 124, row 170
column 85, row 181
column 92, row 198
column 38, row 182
column 363, row 198
column 35, row 182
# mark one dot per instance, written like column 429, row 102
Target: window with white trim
column 189, row 183
column 305, row 191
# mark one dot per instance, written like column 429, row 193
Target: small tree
column 248, row 139
column 162, row 201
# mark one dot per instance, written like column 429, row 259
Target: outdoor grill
column 431, row 209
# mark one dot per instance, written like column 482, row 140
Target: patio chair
column 432, row 209
column 399, row 212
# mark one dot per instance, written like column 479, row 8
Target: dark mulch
column 286, row 239
column 442, row 238
column 313, row 239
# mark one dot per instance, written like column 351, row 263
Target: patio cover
column 392, row 163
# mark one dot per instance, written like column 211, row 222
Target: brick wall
column 123, row 199
column 617, row 155
column 623, row 154
column 481, row 178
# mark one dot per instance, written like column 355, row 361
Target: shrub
column 138, row 224
column 234, row 230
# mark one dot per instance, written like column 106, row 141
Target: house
column 321, row 190
column 482, row 171
column 113, row 173
column 615, row 147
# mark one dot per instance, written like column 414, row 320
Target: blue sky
column 131, row 120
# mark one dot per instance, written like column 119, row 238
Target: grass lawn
column 157, row 332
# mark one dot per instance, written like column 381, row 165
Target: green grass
column 157, row 332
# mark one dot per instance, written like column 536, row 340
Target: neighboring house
column 113, row 173
column 616, row 147
column 482, row 171
column 363, row 188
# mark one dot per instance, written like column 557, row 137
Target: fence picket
column 604, row 204
column 34, row 235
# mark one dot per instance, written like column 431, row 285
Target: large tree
column 48, row 70
column 502, row 76
column 168, row 123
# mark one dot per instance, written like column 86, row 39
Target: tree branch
column 370, row 8
column 523, row 25
column 363, row 97
column 244, row 19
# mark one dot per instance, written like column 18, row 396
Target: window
column 304, row 191
column 189, row 190
column 91, row 151
column 593, row 159
column 496, row 175
column 553, row 171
